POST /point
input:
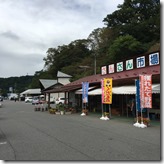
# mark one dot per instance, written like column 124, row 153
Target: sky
column 29, row 27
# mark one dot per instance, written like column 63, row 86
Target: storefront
column 123, row 74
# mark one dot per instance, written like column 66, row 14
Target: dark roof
column 120, row 78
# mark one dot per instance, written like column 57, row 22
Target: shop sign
column 119, row 66
column 111, row 68
column 154, row 59
column 140, row 61
column 129, row 64
column 85, row 86
column 146, row 91
column 103, row 70
column 107, row 91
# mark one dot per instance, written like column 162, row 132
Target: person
column 133, row 108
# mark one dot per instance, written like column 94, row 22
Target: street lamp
column 84, row 67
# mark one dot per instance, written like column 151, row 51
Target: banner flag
column 146, row 91
column 138, row 106
column 102, row 88
column 107, row 87
column 85, row 86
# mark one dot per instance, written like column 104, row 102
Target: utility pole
column 95, row 64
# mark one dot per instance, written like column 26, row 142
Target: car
column 35, row 100
column 28, row 100
column 1, row 98
column 61, row 100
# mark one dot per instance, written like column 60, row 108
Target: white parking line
column 3, row 143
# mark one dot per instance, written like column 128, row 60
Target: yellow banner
column 107, row 91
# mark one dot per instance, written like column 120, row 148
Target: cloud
column 29, row 27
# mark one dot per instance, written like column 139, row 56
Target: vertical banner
column 85, row 86
column 102, row 88
column 107, row 87
column 146, row 91
column 138, row 105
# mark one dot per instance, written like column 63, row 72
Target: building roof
column 46, row 83
column 31, row 91
column 61, row 74
column 119, row 78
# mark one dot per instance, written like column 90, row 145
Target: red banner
column 146, row 91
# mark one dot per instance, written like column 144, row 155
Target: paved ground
column 29, row 135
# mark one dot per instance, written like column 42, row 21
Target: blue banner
column 138, row 105
column 85, row 86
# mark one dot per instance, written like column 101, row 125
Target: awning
column 79, row 91
column 125, row 90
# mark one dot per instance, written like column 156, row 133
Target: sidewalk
column 125, row 119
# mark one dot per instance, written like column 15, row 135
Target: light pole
column 91, row 49
column 95, row 64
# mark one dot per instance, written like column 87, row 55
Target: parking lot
column 29, row 135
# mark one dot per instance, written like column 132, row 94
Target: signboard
column 85, row 86
column 129, row 64
column 111, row 68
column 154, row 59
column 103, row 70
column 107, row 91
column 119, row 66
column 146, row 91
column 140, row 61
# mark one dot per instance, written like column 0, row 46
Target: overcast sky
column 29, row 27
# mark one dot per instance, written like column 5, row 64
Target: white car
column 61, row 100
column 28, row 100
column 35, row 100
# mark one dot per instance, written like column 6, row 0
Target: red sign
column 146, row 91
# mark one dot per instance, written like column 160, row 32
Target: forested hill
column 19, row 84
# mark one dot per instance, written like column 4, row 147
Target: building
column 123, row 74
column 47, row 84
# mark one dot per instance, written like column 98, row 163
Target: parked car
column 35, row 100
column 61, row 100
column 28, row 100
column 1, row 98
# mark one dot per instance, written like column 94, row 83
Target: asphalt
column 27, row 135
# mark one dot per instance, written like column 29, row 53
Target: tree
column 125, row 46
column 138, row 18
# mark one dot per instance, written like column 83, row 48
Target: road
column 29, row 135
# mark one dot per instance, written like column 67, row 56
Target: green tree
column 138, row 18
column 124, row 46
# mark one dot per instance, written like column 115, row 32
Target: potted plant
column 61, row 108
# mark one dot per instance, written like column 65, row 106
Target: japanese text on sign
column 107, row 87
column 146, row 91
